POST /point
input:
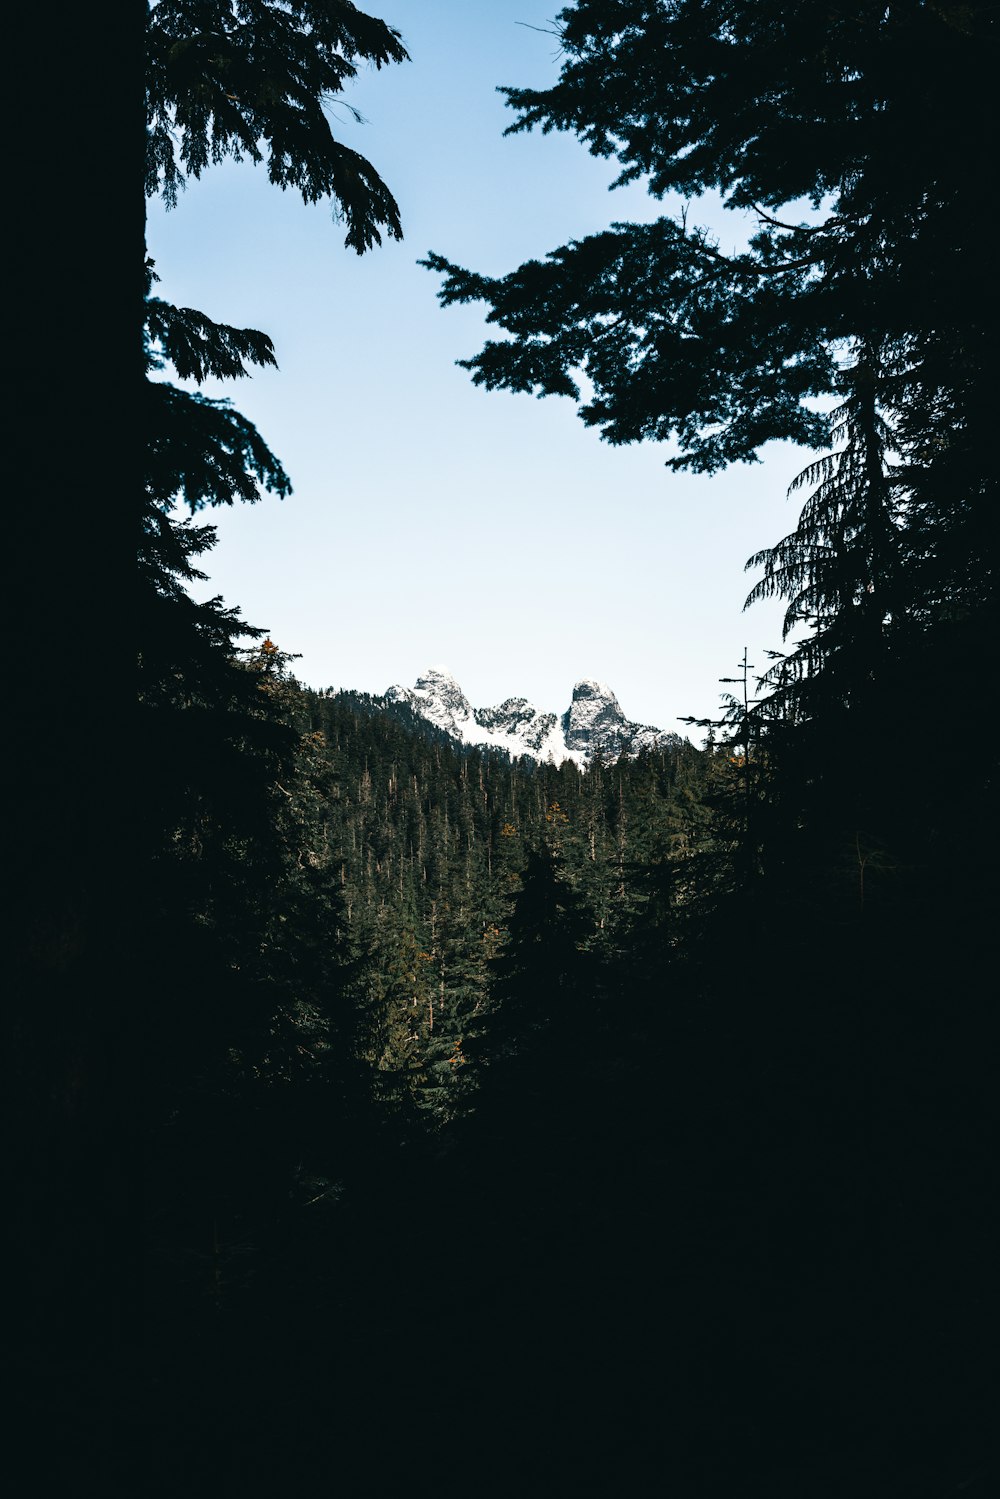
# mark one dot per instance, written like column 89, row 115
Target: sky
column 433, row 523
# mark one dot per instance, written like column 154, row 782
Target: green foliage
column 674, row 340
column 222, row 78
column 199, row 349
column 540, row 968
column 873, row 115
column 203, row 452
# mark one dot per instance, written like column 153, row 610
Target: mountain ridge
column 593, row 724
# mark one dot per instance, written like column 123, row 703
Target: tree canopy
column 877, row 116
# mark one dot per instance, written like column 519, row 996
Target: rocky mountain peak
column 587, row 688
column 437, row 677
column 437, row 697
column 594, row 718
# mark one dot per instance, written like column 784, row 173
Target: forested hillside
column 426, row 1016
column 543, row 1098
column 377, row 950
column 431, row 844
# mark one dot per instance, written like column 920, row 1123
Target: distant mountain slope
column 593, row 723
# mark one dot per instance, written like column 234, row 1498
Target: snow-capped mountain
column 593, row 723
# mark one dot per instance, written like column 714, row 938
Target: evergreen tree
column 222, row 80
column 540, row 999
column 876, row 117
column 253, row 1041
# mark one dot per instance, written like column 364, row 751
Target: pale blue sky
column 432, row 522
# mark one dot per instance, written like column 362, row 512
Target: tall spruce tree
column 541, row 1002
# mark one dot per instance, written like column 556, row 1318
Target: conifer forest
column 481, row 1126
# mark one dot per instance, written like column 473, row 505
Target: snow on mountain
column 438, row 698
column 593, row 723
